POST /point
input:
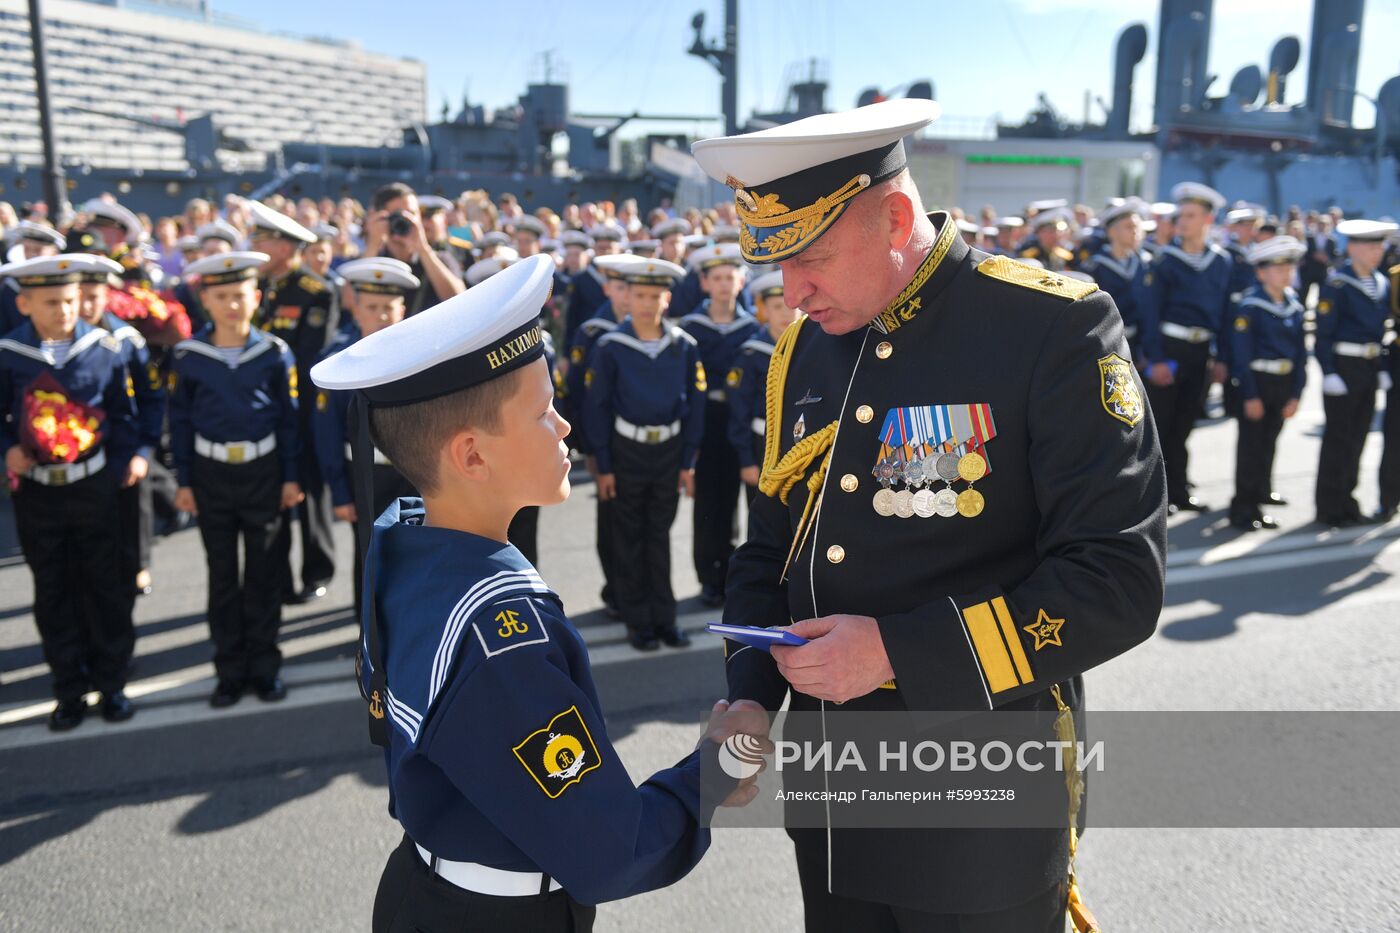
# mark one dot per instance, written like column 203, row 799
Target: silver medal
column 948, row 467
column 914, row 472
column 884, row 503
column 945, row 503
column 904, row 504
column 923, row 503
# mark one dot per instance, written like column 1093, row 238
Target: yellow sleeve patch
column 701, row 384
column 559, row 754
column 1242, row 323
column 1324, row 306
column 576, row 354
column 323, row 401
column 1006, row 269
column 736, row 376
column 588, row 379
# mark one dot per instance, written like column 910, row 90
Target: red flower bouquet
column 55, row 428
column 161, row 319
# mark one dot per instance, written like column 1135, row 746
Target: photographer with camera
column 395, row 228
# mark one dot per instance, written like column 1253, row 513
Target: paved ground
column 273, row 817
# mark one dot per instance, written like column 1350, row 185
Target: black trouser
column 411, row 899
column 1390, row 456
column 313, row 518
column 133, row 531
column 162, row 485
column 524, row 533
column 389, row 485
column 645, row 507
column 716, row 498
column 1348, row 422
column 1176, row 407
column 82, row 598
column 603, row 541
column 1254, row 452
column 833, row 913
column 242, row 501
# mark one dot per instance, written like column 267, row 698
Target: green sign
column 1023, row 160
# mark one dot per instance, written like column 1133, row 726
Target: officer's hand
column 1160, row 375
column 1220, row 373
column 607, row 486
column 184, row 500
column 1253, row 409
column 1290, row 409
column 18, row 461
column 846, row 658
column 1334, row 384
column 687, row 483
column 749, row 475
column 136, row 471
column 346, row 513
column 291, row 495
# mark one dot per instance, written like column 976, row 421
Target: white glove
column 1334, row 385
column 1384, row 381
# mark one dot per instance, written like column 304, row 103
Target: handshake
column 741, row 730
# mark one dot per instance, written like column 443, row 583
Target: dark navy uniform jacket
column 304, row 310
column 1123, row 279
column 746, row 385
column 330, row 430
column 585, row 298
column 245, row 402
column 147, row 382
column 10, row 316
column 648, row 386
column 688, row 295
column 1265, row 330
column 1192, row 291
column 575, row 388
column 94, row 373
column 719, row 343
column 1347, row 312
column 1056, row 259
column 498, row 750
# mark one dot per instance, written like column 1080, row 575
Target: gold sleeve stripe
column 1013, row 641
column 992, row 652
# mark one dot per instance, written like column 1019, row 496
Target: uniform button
column 884, row 350
column 849, row 482
column 864, row 414
column 836, row 553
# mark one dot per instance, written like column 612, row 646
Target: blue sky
column 985, row 58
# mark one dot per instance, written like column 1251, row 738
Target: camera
column 399, row 225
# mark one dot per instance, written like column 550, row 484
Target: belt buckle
column 236, row 453
column 653, row 436
column 1372, row 351
column 58, row 476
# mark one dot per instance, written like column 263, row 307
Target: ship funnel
column 1132, row 46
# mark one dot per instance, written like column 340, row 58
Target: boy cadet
column 234, row 438
column 1049, row 228
column 1120, row 265
column 1184, row 302
column 719, row 326
column 303, row 310
column 514, row 804
column 64, row 507
column 148, row 392
column 586, row 293
column 382, row 288
column 747, row 380
column 645, row 415
column 1352, row 308
column 1269, row 365
column 36, row 240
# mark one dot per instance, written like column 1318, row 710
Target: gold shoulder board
column 312, row 284
column 1041, row 280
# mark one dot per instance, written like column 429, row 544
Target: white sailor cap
column 725, row 233
column 1366, row 231
column 110, row 212
column 990, row 231
column 607, row 232
column 612, row 264
column 671, row 226
column 1204, row 195
column 39, row 233
column 223, row 268
column 531, row 224
column 483, row 269
column 493, row 238
column 432, row 203
column 98, row 270
column 188, row 244
column 549, row 245
column 637, row 247
column 63, row 269
column 767, row 285
column 792, row 182
column 576, row 238
column 482, row 333
column 1245, row 214
column 219, row 230
column 652, row 272
column 1277, row 249
column 1163, row 209
column 1057, row 215
column 376, row 277
column 967, row 226
column 275, row 224
column 1148, row 226
column 695, row 240
column 721, row 254
column 1128, row 206
column 1010, row 222
column 1052, row 204
column 326, row 231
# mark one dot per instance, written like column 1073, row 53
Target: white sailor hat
column 695, row 240
column 576, row 238
column 671, row 226
column 1246, row 214
column 767, row 285
column 223, row 268
column 39, row 233
column 549, row 245
column 652, row 272
column 792, row 182
column 1057, row 215
column 725, row 233
column 110, row 212
column 1366, row 231
column 531, row 224
column 219, row 230
column 63, row 269
column 431, row 203
column 1052, row 204
column 1123, row 209
column 612, row 264
column 721, row 254
column 493, row 238
column 1148, row 226
column 1010, row 222
column 967, row 226
column 483, row 269
column 990, row 231
column 485, row 332
column 380, row 278
column 98, row 270
column 1204, row 195
column 275, row 224
column 326, row 231
column 607, row 232
column 1163, row 209
column 187, row 244
column 1277, row 249
column 637, row 247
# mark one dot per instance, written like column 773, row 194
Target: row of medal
column 921, row 499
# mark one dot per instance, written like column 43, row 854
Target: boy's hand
column 346, row 513
column 17, row 460
column 184, row 500
column 687, row 483
column 136, row 471
column 1254, row 409
column 749, row 475
column 740, row 717
column 607, row 486
column 291, row 495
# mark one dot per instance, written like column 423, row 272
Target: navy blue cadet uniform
column 1124, row 280
column 1390, row 456
column 1268, row 362
column 1351, row 318
column 717, row 468
column 603, row 322
column 10, row 316
column 251, row 402
column 645, row 414
column 63, row 513
column 687, row 295
column 746, row 384
column 1184, row 302
column 585, row 298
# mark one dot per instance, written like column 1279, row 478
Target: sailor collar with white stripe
column 759, row 345
column 82, row 341
column 1105, row 257
column 1371, row 286
column 1198, row 262
column 742, row 319
column 1288, row 308
column 597, row 324
column 934, row 272
column 626, row 335
column 202, row 343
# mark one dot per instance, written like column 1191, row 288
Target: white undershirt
column 58, row 349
